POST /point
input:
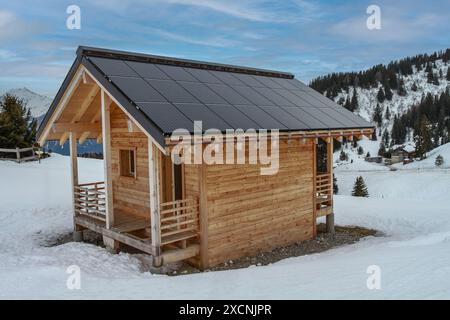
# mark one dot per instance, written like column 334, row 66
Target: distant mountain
column 384, row 93
column 37, row 103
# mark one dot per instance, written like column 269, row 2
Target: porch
column 176, row 234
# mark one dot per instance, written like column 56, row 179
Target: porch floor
column 135, row 231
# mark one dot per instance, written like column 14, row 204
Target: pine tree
column 388, row 92
column 360, row 151
column 435, row 79
column 386, row 137
column 354, row 102
column 343, row 156
column 422, row 137
column 378, row 115
column 374, row 135
column 414, row 87
column 381, row 96
column 368, row 155
column 360, row 188
column 335, row 185
column 439, row 160
column 387, row 115
column 448, row 74
column 401, row 88
column 17, row 126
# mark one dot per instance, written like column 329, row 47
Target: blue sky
column 305, row 37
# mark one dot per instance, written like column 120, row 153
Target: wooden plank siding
column 249, row 213
column 131, row 196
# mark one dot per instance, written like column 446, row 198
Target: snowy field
column 411, row 207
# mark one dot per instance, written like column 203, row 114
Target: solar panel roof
column 168, row 93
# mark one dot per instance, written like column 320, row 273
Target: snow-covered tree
column 360, row 188
column 439, row 160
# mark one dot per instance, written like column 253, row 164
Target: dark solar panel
column 157, row 111
column 274, row 97
column 253, row 96
column 233, row 116
column 113, row 67
column 296, row 100
column 285, row 83
column 230, row 95
column 203, row 93
column 285, row 118
column 248, row 79
column 268, row 82
column 147, row 70
column 227, row 78
column 203, row 75
column 176, row 73
column 137, row 89
column 199, row 112
column 305, row 117
column 172, row 91
column 262, row 118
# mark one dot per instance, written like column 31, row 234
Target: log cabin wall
column 250, row 213
column 130, row 195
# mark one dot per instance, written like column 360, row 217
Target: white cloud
column 219, row 42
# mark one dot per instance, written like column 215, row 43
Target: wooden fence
column 17, row 151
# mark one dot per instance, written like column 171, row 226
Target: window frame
column 129, row 174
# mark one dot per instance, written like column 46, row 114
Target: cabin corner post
column 314, row 153
column 106, row 136
column 203, row 211
column 155, row 219
column 330, row 217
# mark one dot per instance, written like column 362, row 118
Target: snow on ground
column 410, row 207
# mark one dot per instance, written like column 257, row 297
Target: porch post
column 111, row 245
column 106, row 136
column 330, row 217
column 153, row 165
column 77, row 232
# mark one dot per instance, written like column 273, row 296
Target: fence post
column 18, row 155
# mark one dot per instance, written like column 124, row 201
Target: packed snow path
column 412, row 209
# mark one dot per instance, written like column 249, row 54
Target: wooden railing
column 90, row 200
column 324, row 194
column 179, row 220
column 18, row 154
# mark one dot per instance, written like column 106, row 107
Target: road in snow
column 411, row 207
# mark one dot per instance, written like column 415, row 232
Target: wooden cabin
column 205, row 214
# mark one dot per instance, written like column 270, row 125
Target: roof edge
column 141, row 57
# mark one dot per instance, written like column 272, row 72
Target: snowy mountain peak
column 37, row 103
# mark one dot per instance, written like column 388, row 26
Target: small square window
column 128, row 163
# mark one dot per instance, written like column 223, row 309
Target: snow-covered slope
column 410, row 207
column 37, row 103
column 367, row 98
